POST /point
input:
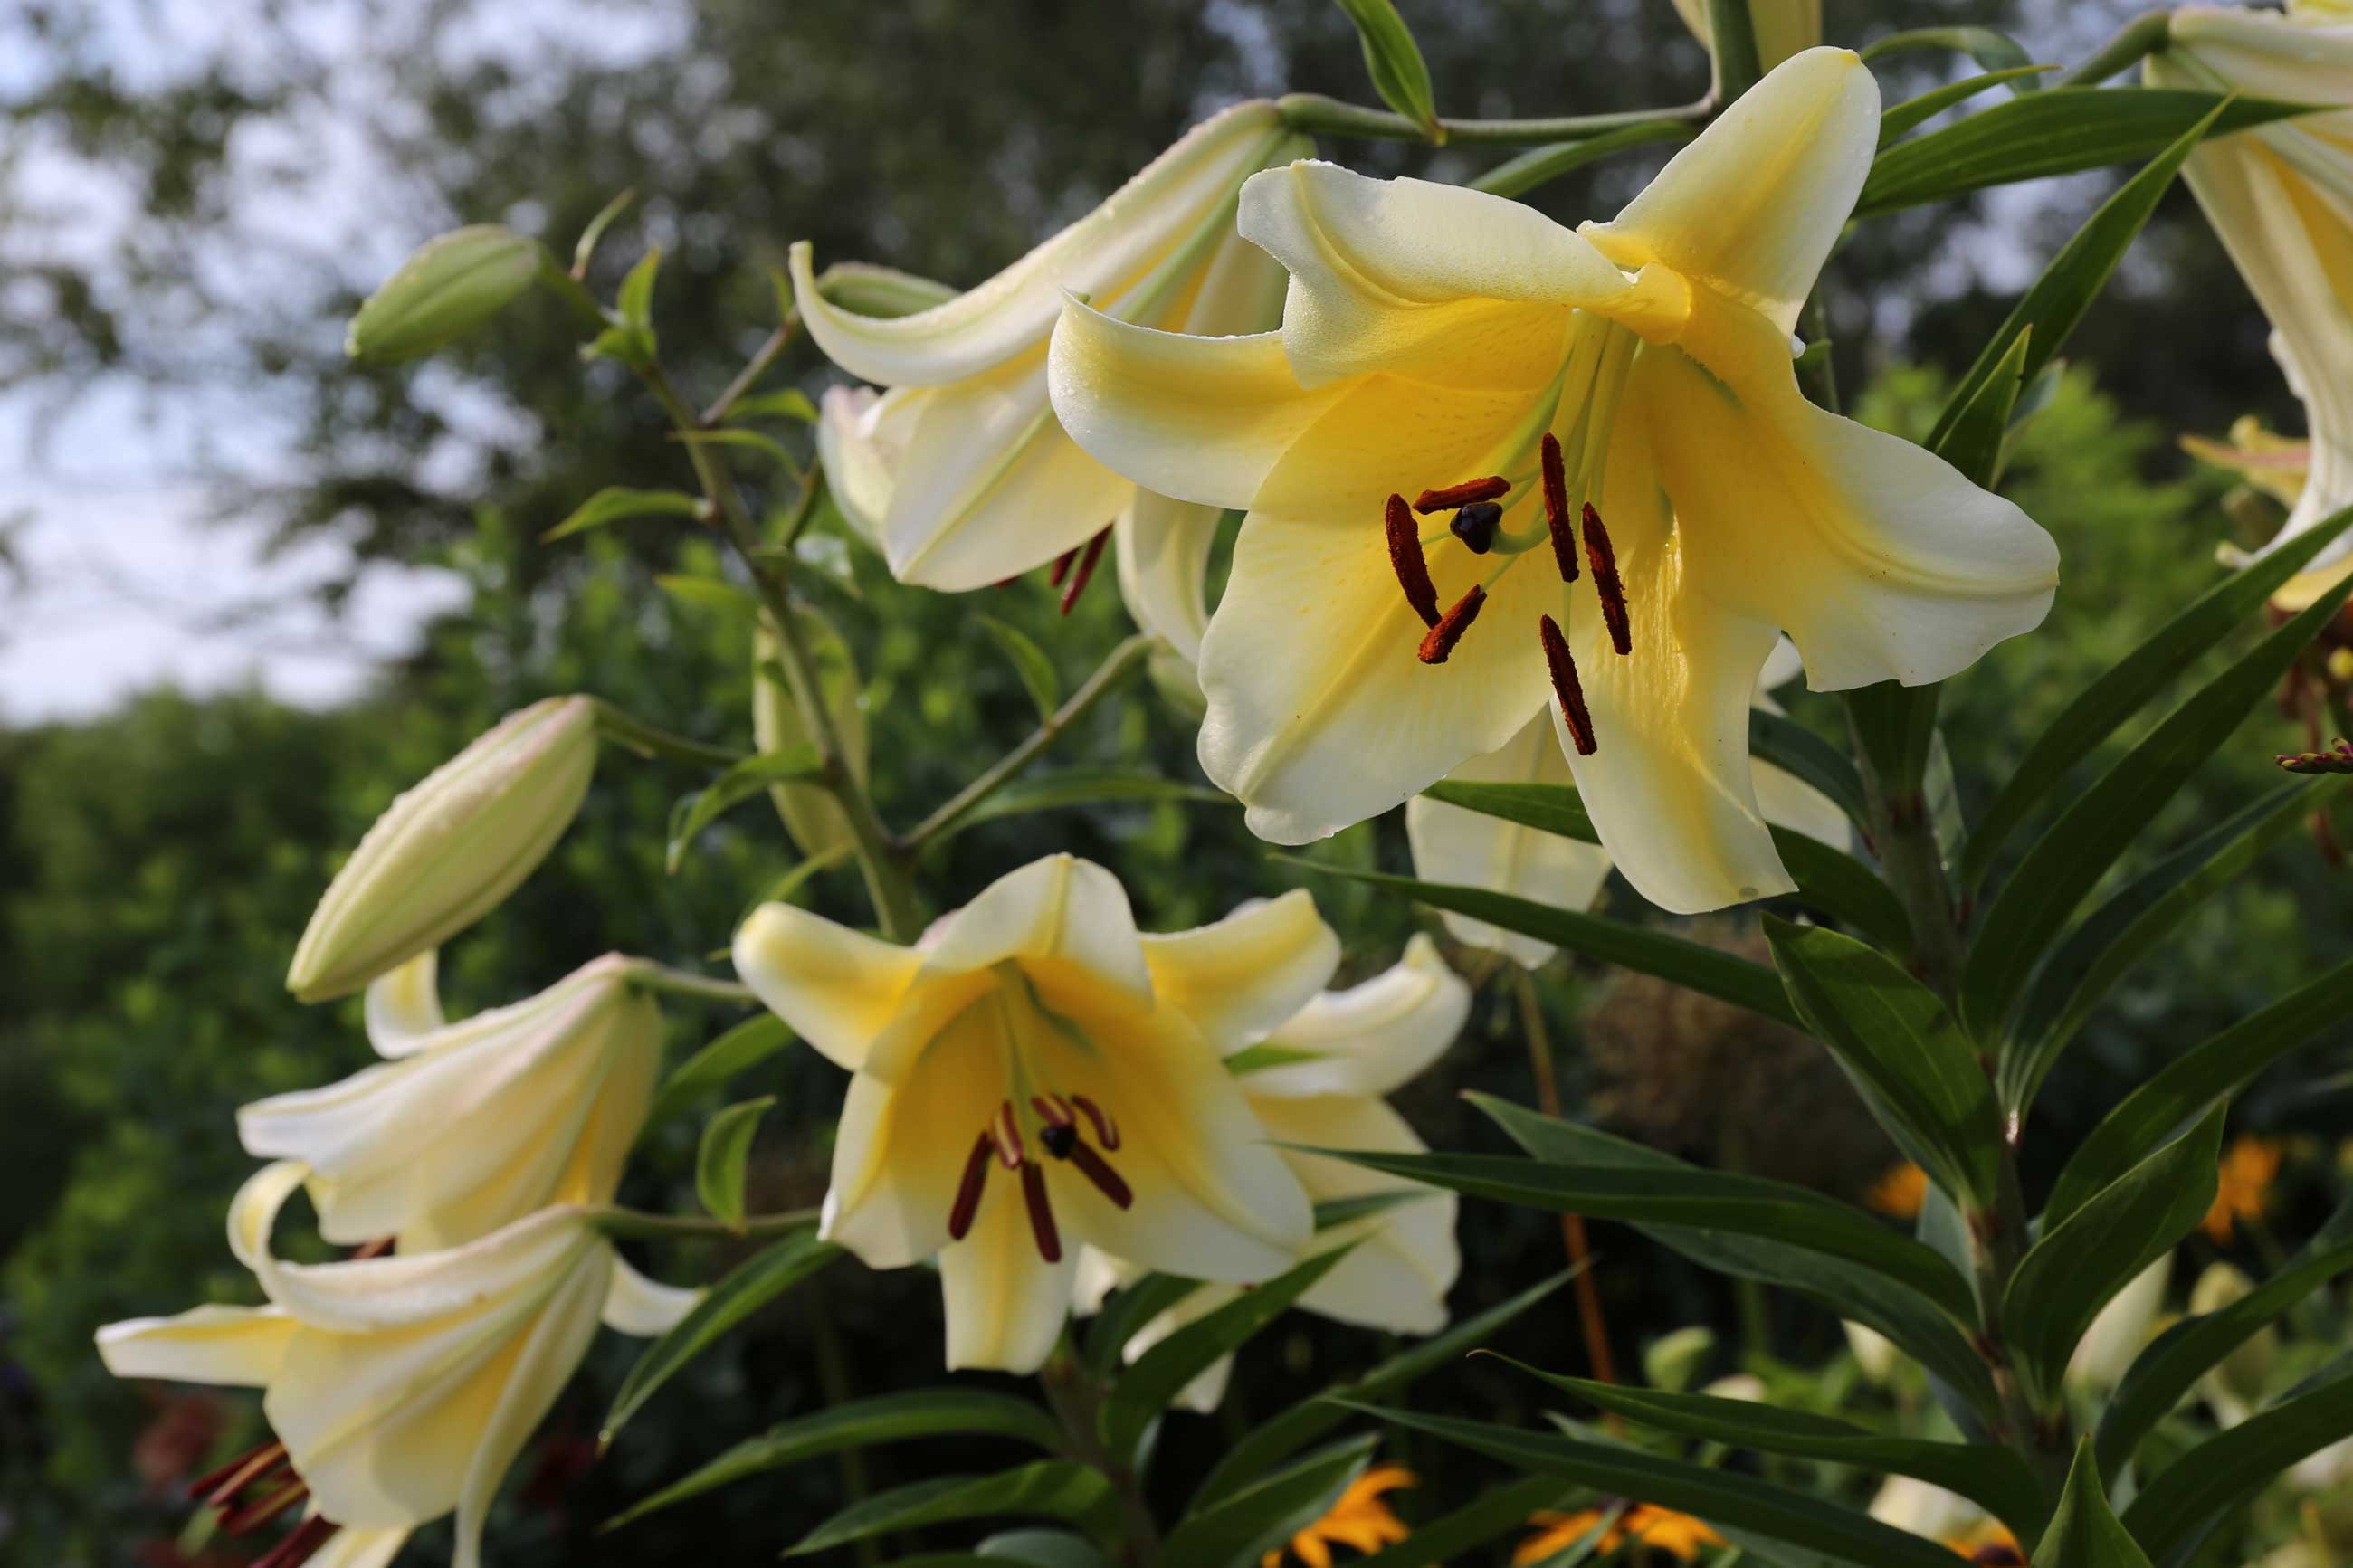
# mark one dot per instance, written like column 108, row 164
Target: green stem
column 1077, row 1400
column 961, row 805
column 886, row 880
column 754, row 369
column 680, row 983
column 628, row 730
column 1906, row 842
column 1314, row 114
column 2134, row 41
column 636, row 1224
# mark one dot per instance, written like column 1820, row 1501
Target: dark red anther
column 1061, row 569
column 1085, row 573
column 1556, row 505
column 1605, row 582
column 1041, row 1213
column 242, row 1521
column 365, row 1251
column 1106, row 1129
column 1006, row 1132
column 1052, row 1109
column 1566, row 686
column 301, row 1545
column 218, row 1486
column 968, row 1198
column 1096, row 1169
column 1494, row 486
column 1450, row 627
column 2337, row 761
column 1404, row 557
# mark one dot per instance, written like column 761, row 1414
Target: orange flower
column 1679, row 1535
column 1899, row 1194
column 1989, row 1546
column 1359, row 1520
column 2249, row 1167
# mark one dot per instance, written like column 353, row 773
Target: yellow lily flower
column 2279, row 197
column 472, row 1125
column 1784, row 28
column 1037, row 1032
column 1442, row 343
column 960, row 474
column 1359, row 1519
column 1451, row 844
column 400, row 1389
column 2273, row 464
column 1319, row 1080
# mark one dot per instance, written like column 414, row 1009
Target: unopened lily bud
column 1782, row 26
column 452, row 285
column 811, row 815
column 2235, row 1386
column 449, row 848
column 1673, row 1360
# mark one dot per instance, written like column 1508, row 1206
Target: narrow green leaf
column 585, row 250
column 707, row 592
column 918, row 1413
column 1493, row 1513
column 1046, row 1489
column 1123, row 1316
column 1997, row 52
column 2077, row 1265
column 1274, row 1440
column 1896, row 1039
column 748, row 1287
column 1160, row 1373
column 731, row 789
column 2181, row 1503
column 1687, row 964
column 2047, row 313
column 2108, row 701
column 726, row 1149
column 1788, row 746
column 1913, row 111
column 791, row 403
column 750, row 440
column 1518, row 177
column 636, row 300
column 1830, row 880
column 1995, row 1479
column 1030, row 662
column 1896, row 726
column 746, row 1046
column 2194, row 1083
column 1746, row 1205
column 1264, row 1514
column 2085, row 1532
column 2164, row 1374
column 1086, row 787
column 1036, row 1548
column 2087, row 963
column 1922, row 1330
column 614, row 502
column 1979, row 429
column 2077, row 851
column 1717, row 1496
column 2046, row 133
column 1394, row 61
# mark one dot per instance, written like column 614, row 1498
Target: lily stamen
column 1567, row 687
column 1041, row 1213
column 1006, row 1132
column 245, row 1519
column 1052, row 1109
column 1606, row 582
column 1096, row 1169
column 215, row 1487
column 1085, row 573
column 1556, row 507
column 1494, row 486
column 968, row 1197
column 1449, row 627
column 1406, row 559
column 301, row 1545
column 1106, row 1129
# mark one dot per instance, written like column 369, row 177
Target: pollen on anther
column 1606, row 583
column 1556, row 505
column 1493, row 488
column 1450, row 627
column 1406, row 560
column 1106, row 1129
column 1567, row 687
column 1007, row 1133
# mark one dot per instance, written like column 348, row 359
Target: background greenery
column 156, row 866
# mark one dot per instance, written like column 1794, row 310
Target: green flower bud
column 449, row 848
column 811, row 815
column 451, row 286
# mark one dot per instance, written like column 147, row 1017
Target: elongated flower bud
column 451, row 286
column 810, row 812
column 449, row 848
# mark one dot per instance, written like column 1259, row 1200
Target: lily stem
column 1316, row 114
column 1107, row 674
column 2134, row 41
column 1077, row 1400
column 754, row 369
column 680, row 982
column 633, row 733
column 1590, row 1317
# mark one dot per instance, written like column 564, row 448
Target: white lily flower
column 1783, row 27
column 1471, row 849
column 1324, row 1075
column 447, row 851
column 959, row 473
column 2122, row 1330
column 2280, row 198
column 1433, row 335
column 1038, row 1031
column 474, row 1125
column 400, row 1389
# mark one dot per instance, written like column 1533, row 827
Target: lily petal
column 642, row 1307
column 900, row 1149
column 1405, row 1259
column 1753, row 206
column 1246, row 973
column 1454, row 845
column 1435, row 282
column 838, row 988
column 403, row 1005
column 1372, row 1036
column 857, row 470
column 1005, row 1304
column 1163, row 556
column 1103, row 254
column 350, row 1548
column 237, row 1346
column 1054, row 913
